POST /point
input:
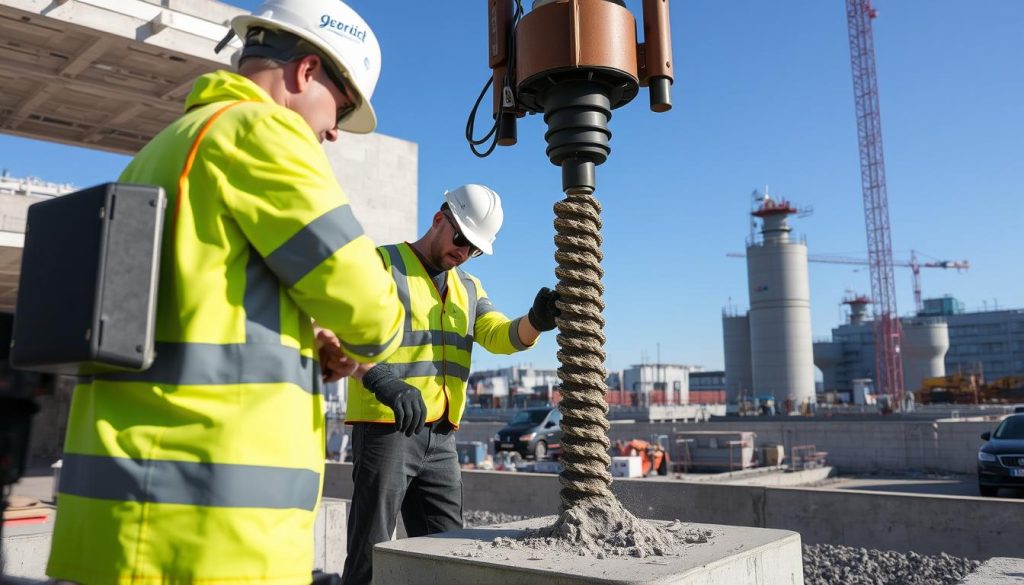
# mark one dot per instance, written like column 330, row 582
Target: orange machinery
column 653, row 456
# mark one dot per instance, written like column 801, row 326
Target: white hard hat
column 477, row 210
column 337, row 30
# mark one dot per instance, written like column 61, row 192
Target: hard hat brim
column 363, row 120
column 474, row 239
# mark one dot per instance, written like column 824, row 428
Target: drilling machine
column 574, row 61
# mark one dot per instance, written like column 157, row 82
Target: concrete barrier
column 978, row 528
column 874, row 445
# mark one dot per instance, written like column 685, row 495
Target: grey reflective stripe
column 434, row 337
column 400, row 273
column 471, row 294
column 420, row 369
column 220, row 485
column 484, row 306
column 209, row 364
column 313, row 244
column 368, row 350
column 513, row 335
column 262, row 301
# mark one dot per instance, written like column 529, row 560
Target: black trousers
column 417, row 475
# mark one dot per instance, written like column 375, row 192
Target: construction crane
column 913, row 264
column 886, row 327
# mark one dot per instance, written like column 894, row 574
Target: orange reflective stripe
column 190, row 159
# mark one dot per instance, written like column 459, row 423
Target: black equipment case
column 88, row 285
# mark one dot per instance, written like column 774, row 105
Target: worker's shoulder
column 259, row 117
column 467, row 277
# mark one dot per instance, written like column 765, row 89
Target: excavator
column 653, row 457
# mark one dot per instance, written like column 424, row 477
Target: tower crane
column 913, row 264
column 886, row 326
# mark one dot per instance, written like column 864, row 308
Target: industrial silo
column 924, row 345
column 827, row 356
column 736, row 340
column 781, row 353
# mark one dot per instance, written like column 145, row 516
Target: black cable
column 492, row 134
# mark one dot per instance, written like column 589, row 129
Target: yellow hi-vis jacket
column 438, row 339
column 207, row 467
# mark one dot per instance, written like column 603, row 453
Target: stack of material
column 713, row 450
column 24, row 510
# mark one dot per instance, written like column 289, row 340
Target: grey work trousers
column 417, row 475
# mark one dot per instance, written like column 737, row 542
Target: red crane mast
column 888, row 365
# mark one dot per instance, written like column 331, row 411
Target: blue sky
column 762, row 96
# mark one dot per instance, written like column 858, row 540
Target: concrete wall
column 379, row 175
column 872, row 445
column 977, row 528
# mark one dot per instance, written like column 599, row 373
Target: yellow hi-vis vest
column 207, row 467
column 438, row 339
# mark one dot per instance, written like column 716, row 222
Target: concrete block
column 735, row 555
column 997, row 571
column 330, row 536
column 26, row 548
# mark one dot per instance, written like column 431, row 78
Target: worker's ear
column 306, row 70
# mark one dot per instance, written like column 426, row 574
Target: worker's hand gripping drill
column 405, row 400
column 544, row 310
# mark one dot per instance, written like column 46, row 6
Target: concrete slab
column 998, row 571
column 464, row 557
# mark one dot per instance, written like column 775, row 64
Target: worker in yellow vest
column 207, row 467
column 403, row 411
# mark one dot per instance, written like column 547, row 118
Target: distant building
column 707, row 387
column 512, row 386
column 649, row 384
column 942, row 339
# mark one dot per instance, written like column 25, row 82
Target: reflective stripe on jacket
column 207, row 467
column 438, row 339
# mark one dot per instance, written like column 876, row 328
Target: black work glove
column 543, row 312
column 405, row 400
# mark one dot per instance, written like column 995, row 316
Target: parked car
column 1001, row 459
column 531, row 432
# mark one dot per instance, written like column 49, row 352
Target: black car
column 1001, row 460
column 531, row 432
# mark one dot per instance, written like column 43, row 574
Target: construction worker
column 207, row 467
column 404, row 410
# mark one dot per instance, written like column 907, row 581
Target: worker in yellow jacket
column 404, row 411
column 207, row 467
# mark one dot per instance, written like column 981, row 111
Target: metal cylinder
column 924, row 346
column 827, row 357
column 782, row 359
column 736, row 340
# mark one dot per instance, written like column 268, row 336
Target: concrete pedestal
column 466, row 557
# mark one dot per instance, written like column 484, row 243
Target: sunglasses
column 459, row 239
column 337, row 80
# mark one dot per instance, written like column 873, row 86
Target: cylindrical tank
column 924, row 346
column 827, row 356
column 736, row 340
column 782, row 357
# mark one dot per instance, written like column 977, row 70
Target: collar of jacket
column 222, row 86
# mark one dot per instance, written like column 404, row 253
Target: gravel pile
column 825, row 564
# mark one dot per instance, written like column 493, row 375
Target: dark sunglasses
column 339, row 81
column 459, row 239
column 336, row 79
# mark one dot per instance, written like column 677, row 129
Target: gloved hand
column 542, row 314
column 405, row 400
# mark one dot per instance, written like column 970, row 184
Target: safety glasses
column 342, row 85
column 459, row 239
